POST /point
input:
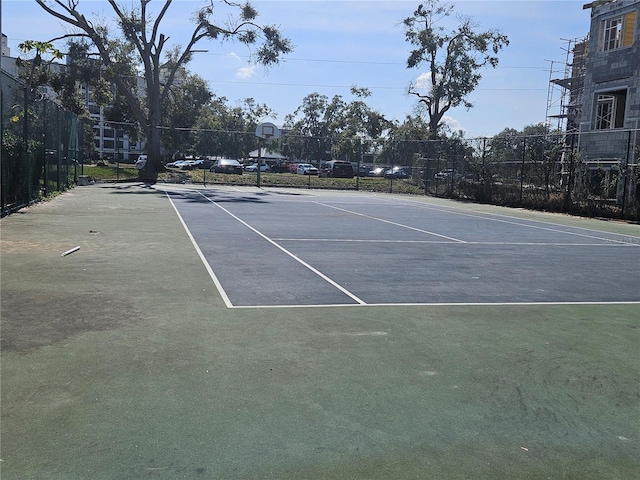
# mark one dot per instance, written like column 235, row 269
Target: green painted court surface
column 124, row 360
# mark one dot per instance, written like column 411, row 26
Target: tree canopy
column 453, row 57
column 138, row 44
column 321, row 129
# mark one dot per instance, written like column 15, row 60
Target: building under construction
column 598, row 96
column 565, row 97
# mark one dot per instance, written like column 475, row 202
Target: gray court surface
column 307, row 248
column 274, row 334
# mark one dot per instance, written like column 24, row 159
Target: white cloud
column 234, row 55
column 452, row 123
column 424, row 80
column 246, row 72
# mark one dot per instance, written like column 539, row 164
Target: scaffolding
column 565, row 95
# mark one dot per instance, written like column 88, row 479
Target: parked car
column 396, row 172
column 141, row 162
column 447, row 173
column 254, row 168
column 337, row 169
column 227, row 165
column 281, row 167
column 363, row 170
column 377, row 172
column 306, row 169
column 203, row 164
column 182, row 164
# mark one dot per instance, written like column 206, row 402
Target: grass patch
column 110, row 172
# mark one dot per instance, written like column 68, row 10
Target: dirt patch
column 41, row 318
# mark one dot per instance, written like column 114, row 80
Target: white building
column 110, row 141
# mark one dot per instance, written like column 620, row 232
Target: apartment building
column 110, row 141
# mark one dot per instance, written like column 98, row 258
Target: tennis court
column 298, row 248
column 280, row 334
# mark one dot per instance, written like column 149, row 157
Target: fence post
column 3, row 188
column 567, row 198
column 44, row 145
column 524, row 153
column 624, row 175
column 453, row 171
column 25, row 134
column 360, row 154
column 483, row 182
column 58, row 149
column 426, row 175
column 259, row 162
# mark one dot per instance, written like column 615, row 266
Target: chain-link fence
column 592, row 173
column 41, row 146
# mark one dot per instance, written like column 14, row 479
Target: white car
column 254, row 168
column 141, row 162
column 182, row 164
column 306, row 169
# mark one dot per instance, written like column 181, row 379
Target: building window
column 618, row 32
column 610, row 108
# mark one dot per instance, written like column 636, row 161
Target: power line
column 363, row 62
column 312, row 85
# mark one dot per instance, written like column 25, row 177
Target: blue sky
column 343, row 43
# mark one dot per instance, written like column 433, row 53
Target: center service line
column 457, row 240
column 302, row 262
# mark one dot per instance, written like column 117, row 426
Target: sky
column 340, row 44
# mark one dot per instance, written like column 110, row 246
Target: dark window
column 610, row 107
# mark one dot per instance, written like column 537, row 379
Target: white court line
column 361, row 303
column 442, row 242
column 445, row 304
column 213, row 276
column 487, row 216
column 300, row 261
column 457, row 240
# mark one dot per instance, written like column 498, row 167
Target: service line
column 281, row 248
column 457, row 240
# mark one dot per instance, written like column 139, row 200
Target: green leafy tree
column 312, row 125
column 360, row 127
column 224, row 131
column 454, row 58
column 181, row 111
column 140, row 42
column 37, row 70
column 39, row 67
column 320, row 128
column 404, row 141
column 544, row 149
